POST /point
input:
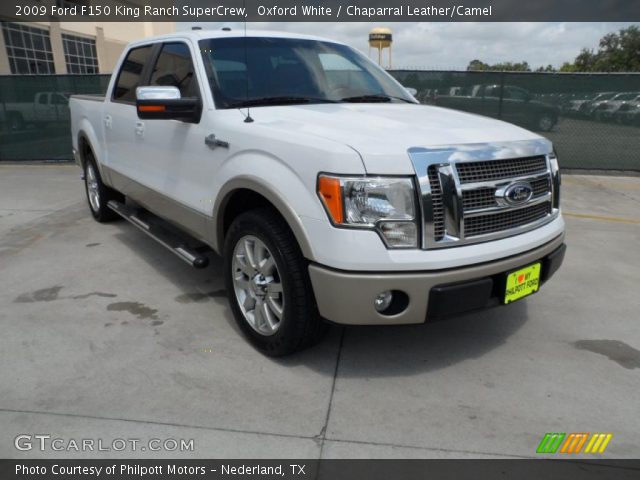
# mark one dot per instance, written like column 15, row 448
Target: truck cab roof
column 197, row 35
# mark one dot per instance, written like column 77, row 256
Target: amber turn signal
column 151, row 108
column 331, row 193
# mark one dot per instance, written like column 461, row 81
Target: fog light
column 383, row 300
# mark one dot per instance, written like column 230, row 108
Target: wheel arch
column 243, row 194
column 86, row 143
column 84, row 147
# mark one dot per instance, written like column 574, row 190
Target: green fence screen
column 592, row 119
column 34, row 114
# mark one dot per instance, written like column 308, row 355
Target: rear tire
column 270, row 293
column 545, row 122
column 98, row 194
column 16, row 121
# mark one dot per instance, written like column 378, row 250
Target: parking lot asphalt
column 106, row 335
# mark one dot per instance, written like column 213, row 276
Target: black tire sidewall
column 104, row 213
column 542, row 119
column 287, row 339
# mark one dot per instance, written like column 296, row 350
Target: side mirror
column 412, row 91
column 165, row 103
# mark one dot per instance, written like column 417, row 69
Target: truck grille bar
column 436, row 203
column 470, row 172
column 467, row 191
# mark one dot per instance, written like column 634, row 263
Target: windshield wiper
column 283, row 100
column 381, row 98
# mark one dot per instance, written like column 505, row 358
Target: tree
column 568, row 67
column 477, row 65
column 617, row 52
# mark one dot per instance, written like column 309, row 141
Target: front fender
column 281, row 203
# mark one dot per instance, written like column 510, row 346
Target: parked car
column 587, row 108
column 46, row 107
column 330, row 192
column 510, row 103
column 628, row 113
column 605, row 111
column 573, row 106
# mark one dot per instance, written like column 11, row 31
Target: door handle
column 140, row 128
column 108, row 121
column 212, row 142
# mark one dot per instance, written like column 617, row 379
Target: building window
column 80, row 54
column 28, row 49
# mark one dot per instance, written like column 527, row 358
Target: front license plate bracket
column 522, row 283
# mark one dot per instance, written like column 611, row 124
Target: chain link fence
column 592, row 119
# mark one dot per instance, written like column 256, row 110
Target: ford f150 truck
column 330, row 192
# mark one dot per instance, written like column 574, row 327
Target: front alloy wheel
column 270, row 293
column 257, row 285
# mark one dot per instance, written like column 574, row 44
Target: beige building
column 42, row 48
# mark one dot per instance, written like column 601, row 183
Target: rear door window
column 130, row 74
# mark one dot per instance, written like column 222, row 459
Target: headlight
column 384, row 204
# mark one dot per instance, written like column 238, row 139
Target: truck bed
column 90, row 97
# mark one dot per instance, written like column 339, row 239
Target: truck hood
column 382, row 133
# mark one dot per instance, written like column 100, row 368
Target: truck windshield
column 261, row 71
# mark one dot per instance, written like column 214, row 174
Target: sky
column 450, row 46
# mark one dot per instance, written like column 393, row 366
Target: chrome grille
column 479, row 198
column 471, row 172
column 436, row 203
column 485, row 197
column 509, row 219
column 465, row 199
column 540, row 186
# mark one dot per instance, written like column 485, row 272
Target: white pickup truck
column 46, row 107
column 331, row 194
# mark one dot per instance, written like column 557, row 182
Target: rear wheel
column 98, row 194
column 16, row 121
column 545, row 122
column 269, row 288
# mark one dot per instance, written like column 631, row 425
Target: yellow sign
column 522, row 282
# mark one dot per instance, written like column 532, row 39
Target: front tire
column 98, row 194
column 268, row 283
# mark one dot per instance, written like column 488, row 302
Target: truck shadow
column 366, row 351
column 380, row 351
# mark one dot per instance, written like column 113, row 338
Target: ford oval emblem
column 518, row 193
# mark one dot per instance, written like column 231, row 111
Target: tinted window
column 515, row 93
column 174, row 68
column 242, row 70
column 129, row 76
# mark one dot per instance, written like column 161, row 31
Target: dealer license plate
column 522, row 282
